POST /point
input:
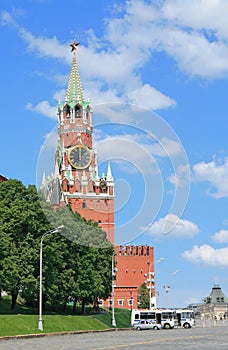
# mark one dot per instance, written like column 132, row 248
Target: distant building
column 214, row 307
column 2, row 178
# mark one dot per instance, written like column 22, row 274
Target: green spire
column 74, row 91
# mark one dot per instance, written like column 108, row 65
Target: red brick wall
column 98, row 210
column 132, row 263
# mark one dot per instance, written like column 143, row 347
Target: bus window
column 143, row 315
column 151, row 316
column 167, row 315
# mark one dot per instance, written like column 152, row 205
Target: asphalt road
column 200, row 338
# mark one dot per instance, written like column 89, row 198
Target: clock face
column 79, row 157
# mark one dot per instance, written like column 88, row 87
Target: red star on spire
column 74, row 46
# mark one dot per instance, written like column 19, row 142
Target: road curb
column 39, row 335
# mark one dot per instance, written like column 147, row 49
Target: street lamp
column 40, row 322
column 167, row 289
column 114, row 270
column 151, row 285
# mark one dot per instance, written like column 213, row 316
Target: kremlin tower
column 77, row 183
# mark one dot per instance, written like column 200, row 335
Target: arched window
column 66, row 109
column 83, row 205
column 78, row 112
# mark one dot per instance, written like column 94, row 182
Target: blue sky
column 157, row 76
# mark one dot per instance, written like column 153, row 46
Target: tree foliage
column 143, row 297
column 76, row 264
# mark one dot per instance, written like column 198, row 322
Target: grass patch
column 23, row 320
column 28, row 324
column 122, row 317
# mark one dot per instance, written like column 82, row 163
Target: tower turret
column 80, row 184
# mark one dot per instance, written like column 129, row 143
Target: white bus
column 185, row 318
column 167, row 318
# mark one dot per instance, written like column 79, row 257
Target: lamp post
column 150, row 282
column 155, row 298
column 157, row 293
column 167, row 289
column 40, row 322
column 113, row 277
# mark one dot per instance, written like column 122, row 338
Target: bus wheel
column 167, row 326
column 186, row 325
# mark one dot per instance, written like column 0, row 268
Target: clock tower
column 80, row 185
column 76, row 182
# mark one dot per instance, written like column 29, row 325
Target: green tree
column 94, row 275
column 76, row 264
column 21, row 222
column 75, row 272
column 143, row 297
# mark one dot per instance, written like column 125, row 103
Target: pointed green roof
column 217, row 296
column 74, row 92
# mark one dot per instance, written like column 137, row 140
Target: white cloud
column 214, row 173
column 194, row 33
column 43, row 108
column 204, row 14
column 7, row 19
column 150, row 98
column 182, row 177
column 221, row 236
column 44, row 47
column 207, row 255
column 109, row 67
column 104, row 70
column 59, row 95
column 104, row 98
column 126, row 149
column 194, row 53
column 171, row 226
column 166, row 147
column 135, row 146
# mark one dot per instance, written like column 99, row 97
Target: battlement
column 134, row 250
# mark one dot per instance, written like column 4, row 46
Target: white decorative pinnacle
column 44, row 179
column 109, row 173
column 56, row 169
